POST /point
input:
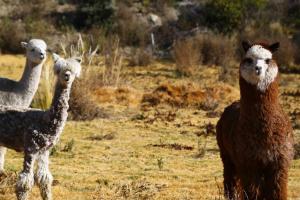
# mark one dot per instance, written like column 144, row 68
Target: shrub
column 11, row 34
column 132, row 29
column 187, row 56
column 113, row 63
column 216, row 49
column 223, row 15
column 226, row 16
column 141, row 57
column 94, row 12
column 98, row 69
column 206, row 49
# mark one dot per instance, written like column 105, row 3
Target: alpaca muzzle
column 67, row 76
column 258, row 70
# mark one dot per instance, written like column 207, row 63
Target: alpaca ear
column 24, row 44
column 55, row 57
column 57, row 65
column 274, row 47
column 246, row 45
column 78, row 59
column 49, row 50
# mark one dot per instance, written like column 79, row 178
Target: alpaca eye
column 268, row 61
column 249, row 60
column 32, row 50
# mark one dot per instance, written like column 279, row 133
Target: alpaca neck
column 59, row 107
column 29, row 82
column 258, row 104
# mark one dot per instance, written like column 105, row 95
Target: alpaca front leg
column 230, row 179
column 275, row 187
column 251, row 185
column 26, row 178
column 43, row 176
column 2, row 158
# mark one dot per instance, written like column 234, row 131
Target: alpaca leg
column 2, row 157
column 230, row 179
column 26, row 178
column 275, row 187
column 251, row 186
column 43, row 176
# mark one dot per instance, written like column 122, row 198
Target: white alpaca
column 35, row 131
column 20, row 93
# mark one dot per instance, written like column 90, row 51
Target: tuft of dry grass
column 140, row 189
column 109, row 136
column 141, row 57
column 44, row 94
column 187, row 56
column 99, row 69
column 216, row 49
column 113, row 60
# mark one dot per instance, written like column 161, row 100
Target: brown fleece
column 256, row 145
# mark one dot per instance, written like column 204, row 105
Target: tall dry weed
column 203, row 49
column 112, row 63
column 187, row 56
column 99, row 68
column 44, row 94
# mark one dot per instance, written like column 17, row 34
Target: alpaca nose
column 67, row 77
column 258, row 70
column 42, row 56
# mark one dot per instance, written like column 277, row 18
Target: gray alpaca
column 20, row 93
column 35, row 131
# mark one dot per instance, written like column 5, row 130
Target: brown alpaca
column 254, row 134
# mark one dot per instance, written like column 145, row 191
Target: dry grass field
column 156, row 143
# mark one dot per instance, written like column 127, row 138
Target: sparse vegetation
column 145, row 113
column 119, row 151
column 69, row 146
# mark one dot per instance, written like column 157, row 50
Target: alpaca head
column 66, row 69
column 258, row 67
column 35, row 50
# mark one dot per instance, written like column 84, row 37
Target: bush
column 206, row 49
column 11, row 34
column 216, row 49
column 226, row 16
column 187, row 56
column 133, row 30
column 94, row 13
column 141, row 57
column 95, row 74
